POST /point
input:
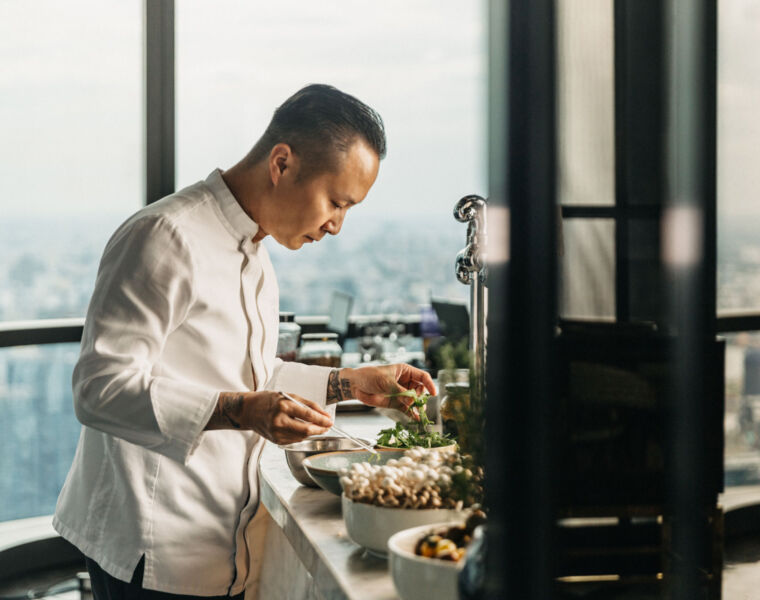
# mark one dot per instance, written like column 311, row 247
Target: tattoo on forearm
column 226, row 414
column 345, row 389
column 338, row 388
column 333, row 388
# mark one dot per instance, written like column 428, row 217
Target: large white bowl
column 370, row 526
column 418, row 577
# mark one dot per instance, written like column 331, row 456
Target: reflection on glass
column 38, row 429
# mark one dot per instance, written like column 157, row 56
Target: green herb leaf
column 416, row 432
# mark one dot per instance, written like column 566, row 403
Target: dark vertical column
column 522, row 298
column 622, row 104
column 496, row 410
column 689, row 258
column 159, row 99
column 639, row 157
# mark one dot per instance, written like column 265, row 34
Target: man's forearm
column 228, row 411
column 338, row 387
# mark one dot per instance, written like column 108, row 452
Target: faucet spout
column 470, row 267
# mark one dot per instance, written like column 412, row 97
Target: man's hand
column 269, row 414
column 376, row 385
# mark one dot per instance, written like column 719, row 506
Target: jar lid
column 287, row 317
column 325, row 336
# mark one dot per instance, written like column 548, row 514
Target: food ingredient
column 450, row 543
column 415, row 433
column 420, row 479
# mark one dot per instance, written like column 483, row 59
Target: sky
column 71, row 94
column 71, row 89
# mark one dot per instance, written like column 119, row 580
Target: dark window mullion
column 589, row 211
column 737, row 323
column 622, row 304
column 44, row 331
column 159, row 99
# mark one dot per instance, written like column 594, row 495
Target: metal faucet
column 471, row 270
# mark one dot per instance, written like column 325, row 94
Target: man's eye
column 336, row 205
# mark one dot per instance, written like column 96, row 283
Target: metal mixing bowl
column 295, row 453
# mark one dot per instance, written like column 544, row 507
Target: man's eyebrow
column 349, row 199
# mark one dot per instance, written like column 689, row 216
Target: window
column 738, row 143
column 609, row 230
column 422, row 65
column 738, row 227
column 38, row 431
column 71, row 148
column 586, row 160
column 71, row 153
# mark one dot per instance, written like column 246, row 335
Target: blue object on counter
column 472, row 577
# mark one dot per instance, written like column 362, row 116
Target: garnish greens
column 414, row 433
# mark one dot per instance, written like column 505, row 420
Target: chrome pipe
column 470, row 268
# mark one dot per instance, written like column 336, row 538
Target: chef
column 177, row 385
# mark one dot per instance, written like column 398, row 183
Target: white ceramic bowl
column 417, row 577
column 370, row 526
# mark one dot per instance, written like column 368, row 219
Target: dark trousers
column 106, row 587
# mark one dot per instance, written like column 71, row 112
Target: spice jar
column 320, row 349
column 288, row 337
column 454, row 406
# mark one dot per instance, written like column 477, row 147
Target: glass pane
column 38, row 431
column 71, row 146
column 738, row 144
column 587, row 284
column 742, row 421
column 586, row 105
column 422, row 65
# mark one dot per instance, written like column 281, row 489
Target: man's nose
column 333, row 225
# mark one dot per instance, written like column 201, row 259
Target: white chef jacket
column 185, row 306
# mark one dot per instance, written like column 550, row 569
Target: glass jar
column 289, row 336
column 454, row 407
column 320, row 349
column 446, row 376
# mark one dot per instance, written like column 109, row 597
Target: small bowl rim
column 321, row 471
column 288, row 448
column 393, row 546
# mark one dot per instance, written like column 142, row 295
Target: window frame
column 628, row 19
column 159, row 158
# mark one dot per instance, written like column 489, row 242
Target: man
column 177, row 385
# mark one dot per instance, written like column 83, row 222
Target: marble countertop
column 311, row 520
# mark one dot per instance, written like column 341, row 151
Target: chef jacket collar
column 237, row 219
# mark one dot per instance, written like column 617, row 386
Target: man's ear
column 280, row 160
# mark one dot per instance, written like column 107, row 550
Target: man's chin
column 293, row 244
column 290, row 243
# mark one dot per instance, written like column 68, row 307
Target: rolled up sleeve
column 143, row 291
column 308, row 381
